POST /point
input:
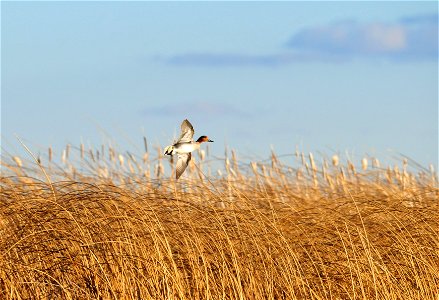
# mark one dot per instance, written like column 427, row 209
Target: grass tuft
column 110, row 225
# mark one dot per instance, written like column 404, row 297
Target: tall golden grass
column 101, row 224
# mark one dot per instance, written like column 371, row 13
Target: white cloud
column 385, row 38
column 408, row 39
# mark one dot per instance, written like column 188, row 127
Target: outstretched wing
column 187, row 132
column 182, row 162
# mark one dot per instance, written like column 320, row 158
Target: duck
column 184, row 146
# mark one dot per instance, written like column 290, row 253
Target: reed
column 105, row 227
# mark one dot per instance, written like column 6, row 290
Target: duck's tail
column 169, row 150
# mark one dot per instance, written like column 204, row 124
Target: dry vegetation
column 99, row 224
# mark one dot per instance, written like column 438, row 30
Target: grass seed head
column 364, row 163
column 50, row 153
column 18, row 161
column 335, row 160
column 121, row 160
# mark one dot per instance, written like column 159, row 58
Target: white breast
column 187, row 147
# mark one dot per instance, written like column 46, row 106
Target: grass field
column 99, row 224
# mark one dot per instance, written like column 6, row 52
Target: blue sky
column 328, row 77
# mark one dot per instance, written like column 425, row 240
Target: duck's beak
column 210, row 141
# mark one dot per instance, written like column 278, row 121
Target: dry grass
column 107, row 225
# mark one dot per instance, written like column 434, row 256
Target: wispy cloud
column 201, row 108
column 410, row 38
column 351, row 38
column 420, row 19
column 227, row 59
column 234, row 59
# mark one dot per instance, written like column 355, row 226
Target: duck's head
column 203, row 138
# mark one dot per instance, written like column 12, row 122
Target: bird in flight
column 184, row 146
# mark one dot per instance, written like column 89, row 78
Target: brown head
column 203, row 138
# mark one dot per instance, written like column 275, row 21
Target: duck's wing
column 182, row 162
column 187, row 132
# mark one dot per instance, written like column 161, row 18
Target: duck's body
column 184, row 146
